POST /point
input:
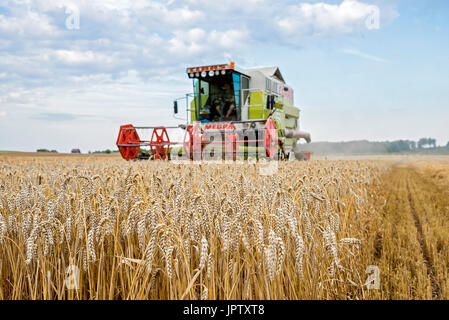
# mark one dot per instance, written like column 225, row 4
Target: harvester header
column 231, row 112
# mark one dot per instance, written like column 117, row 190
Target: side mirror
column 175, row 107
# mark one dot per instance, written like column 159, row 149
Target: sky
column 72, row 72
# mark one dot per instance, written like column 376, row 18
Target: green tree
column 432, row 143
column 427, row 142
column 421, row 143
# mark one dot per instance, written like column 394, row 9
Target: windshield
column 217, row 98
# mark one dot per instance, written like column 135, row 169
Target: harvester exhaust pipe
column 298, row 134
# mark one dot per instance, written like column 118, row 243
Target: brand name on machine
column 220, row 126
column 208, row 68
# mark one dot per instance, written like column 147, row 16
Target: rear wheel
column 300, row 156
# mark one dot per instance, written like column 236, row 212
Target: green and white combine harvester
column 233, row 114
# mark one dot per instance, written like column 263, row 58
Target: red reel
column 271, row 138
column 160, row 143
column 231, row 138
column 194, row 145
column 188, row 140
column 128, row 136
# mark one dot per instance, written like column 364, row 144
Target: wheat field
column 103, row 228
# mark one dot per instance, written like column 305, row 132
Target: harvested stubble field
column 158, row 230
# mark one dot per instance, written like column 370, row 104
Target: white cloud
column 198, row 41
column 12, row 95
column 116, row 36
column 221, row 6
column 3, row 114
column 81, row 57
column 322, row 19
column 126, row 11
column 180, row 17
column 28, row 23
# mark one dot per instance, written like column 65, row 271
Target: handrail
column 186, row 97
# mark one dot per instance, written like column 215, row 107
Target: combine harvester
column 232, row 114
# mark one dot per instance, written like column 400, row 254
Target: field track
column 416, row 215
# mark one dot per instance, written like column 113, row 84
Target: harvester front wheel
column 300, row 156
column 271, row 138
column 193, row 142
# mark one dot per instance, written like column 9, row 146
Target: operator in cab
column 228, row 100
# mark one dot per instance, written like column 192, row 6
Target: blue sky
column 63, row 87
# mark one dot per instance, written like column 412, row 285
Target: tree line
column 423, row 145
column 408, row 145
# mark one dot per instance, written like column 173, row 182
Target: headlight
column 217, row 73
column 197, row 74
column 223, row 72
column 211, row 73
column 203, row 74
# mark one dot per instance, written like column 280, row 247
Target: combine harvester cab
column 232, row 114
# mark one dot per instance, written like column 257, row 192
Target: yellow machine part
column 257, row 100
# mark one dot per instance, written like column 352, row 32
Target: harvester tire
column 300, row 156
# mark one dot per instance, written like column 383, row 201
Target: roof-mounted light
column 210, row 71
